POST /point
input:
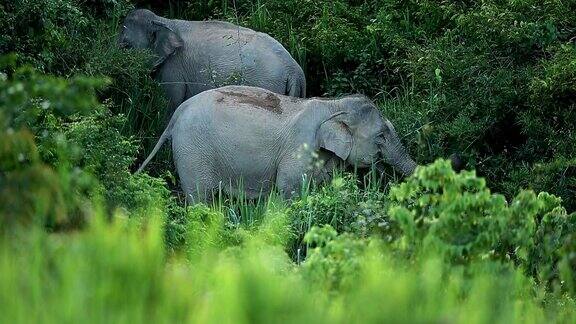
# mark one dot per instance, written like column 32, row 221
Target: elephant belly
column 245, row 149
column 250, row 174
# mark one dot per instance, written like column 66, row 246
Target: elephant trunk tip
column 408, row 168
column 457, row 162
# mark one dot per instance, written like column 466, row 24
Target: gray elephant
column 244, row 140
column 194, row 56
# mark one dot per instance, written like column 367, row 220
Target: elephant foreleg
column 299, row 170
column 292, row 176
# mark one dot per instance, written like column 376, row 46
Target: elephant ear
column 166, row 42
column 334, row 136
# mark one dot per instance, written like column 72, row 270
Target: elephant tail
column 296, row 84
column 165, row 135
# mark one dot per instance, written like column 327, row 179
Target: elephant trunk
column 457, row 163
column 395, row 153
column 401, row 160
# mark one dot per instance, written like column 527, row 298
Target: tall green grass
column 119, row 272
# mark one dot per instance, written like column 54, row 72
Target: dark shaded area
column 504, row 137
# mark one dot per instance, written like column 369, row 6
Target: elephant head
column 142, row 29
column 361, row 137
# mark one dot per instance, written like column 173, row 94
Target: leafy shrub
column 567, row 266
column 342, row 205
column 38, row 30
column 208, row 230
column 118, row 271
column 103, row 151
column 84, row 36
column 334, row 260
column 33, row 191
column 55, row 36
column 109, row 155
column 205, row 231
column 63, row 149
column 458, row 217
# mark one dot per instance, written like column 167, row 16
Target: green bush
column 63, row 149
column 65, row 37
column 206, row 231
column 567, row 265
column 34, row 191
column 456, row 215
column 118, row 271
column 333, row 260
column 342, row 205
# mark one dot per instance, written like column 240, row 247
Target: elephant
column 194, row 56
column 244, row 140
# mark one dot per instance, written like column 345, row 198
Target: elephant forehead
column 266, row 101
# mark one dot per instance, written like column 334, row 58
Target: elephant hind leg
column 197, row 181
column 200, row 194
column 201, row 186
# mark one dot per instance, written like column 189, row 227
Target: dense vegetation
column 83, row 238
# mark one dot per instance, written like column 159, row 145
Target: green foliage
column 343, row 205
column 567, row 265
column 118, row 271
column 63, row 149
column 32, row 191
column 456, row 215
column 40, row 31
column 108, row 270
column 91, row 147
column 66, row 37
column 334, row 259
column 206, row 231
column 109, row 155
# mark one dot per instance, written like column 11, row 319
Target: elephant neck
column 324, row 110
column 309, row 119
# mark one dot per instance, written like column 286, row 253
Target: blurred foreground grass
column 119, row 272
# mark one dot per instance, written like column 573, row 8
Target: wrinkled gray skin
column 244, row 140
column 194, row 56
